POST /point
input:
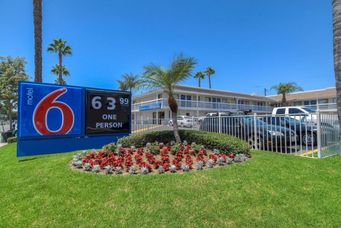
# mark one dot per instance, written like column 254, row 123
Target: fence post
column 219, row 121
column 318, row 117
column 255, row 130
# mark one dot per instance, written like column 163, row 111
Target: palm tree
column 122, row 85
column 60, row 70
column 37, row 18
column 157, row 77
column 59, row 46
column 337, row 53
column 129, row 82
column 209, row 71
column 285, row 88
column 199, row 75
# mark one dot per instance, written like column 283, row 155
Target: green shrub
column 12, row 140
column 222, row 142
column 6, row 135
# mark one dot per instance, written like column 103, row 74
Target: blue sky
column 252, row 44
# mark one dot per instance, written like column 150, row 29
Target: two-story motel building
column 195, row 101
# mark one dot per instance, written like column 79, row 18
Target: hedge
column 6, row 135
column 11, row 139
column 222, row 142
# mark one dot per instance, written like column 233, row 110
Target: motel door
column 161, row 117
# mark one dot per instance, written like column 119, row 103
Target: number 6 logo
column 49, row 102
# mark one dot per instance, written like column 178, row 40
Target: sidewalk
column 2, row 144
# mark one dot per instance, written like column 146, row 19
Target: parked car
column 264, row 136
column 183, row 121
column 306, row 132
column 218, row 113
column 296, row 112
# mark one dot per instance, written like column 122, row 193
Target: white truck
column 297, row 112
column 183, row 121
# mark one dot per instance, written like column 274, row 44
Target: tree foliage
column 284, row 88
column 129, row 82
column 12, row 70
column 57, row 70
column 200, row 76
column 157, row 77
column 60, row 47
column 209, row 72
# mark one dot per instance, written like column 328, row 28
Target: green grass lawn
column 268, row 190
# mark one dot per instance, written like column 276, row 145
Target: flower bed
column 153, row 158
column 225, row 143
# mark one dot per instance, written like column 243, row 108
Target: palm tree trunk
column 284, row 99
column 37, row 18
column 199, row 82
column 337, row 53
column 174, row 108
column 209, row 81
column 60, row 75
column 175, row 126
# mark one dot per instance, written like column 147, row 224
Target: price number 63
column 96, row 102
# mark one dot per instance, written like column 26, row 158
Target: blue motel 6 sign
column 54, row 118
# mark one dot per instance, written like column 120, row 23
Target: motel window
column 323, row 101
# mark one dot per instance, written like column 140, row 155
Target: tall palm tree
column 209, row 71
column 155, row 76
column 122, row 85
column 285, row 88
column 59, row 46
column 200, row 76
column 60, row 70
column 129, row 82
column 37, row 22
column 337, row 53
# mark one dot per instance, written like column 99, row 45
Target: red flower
column 157, row 164
column 213, row 157
column 189, row 161
column 138, row 158
column 166, row 166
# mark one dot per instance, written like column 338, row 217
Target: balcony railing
column 216, row 106
column 328, row 106
column 200, row 105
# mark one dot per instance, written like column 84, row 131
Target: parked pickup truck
column 296, row 112
column 261, row 134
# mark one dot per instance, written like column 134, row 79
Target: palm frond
column 155, row 76
column 56, row 69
